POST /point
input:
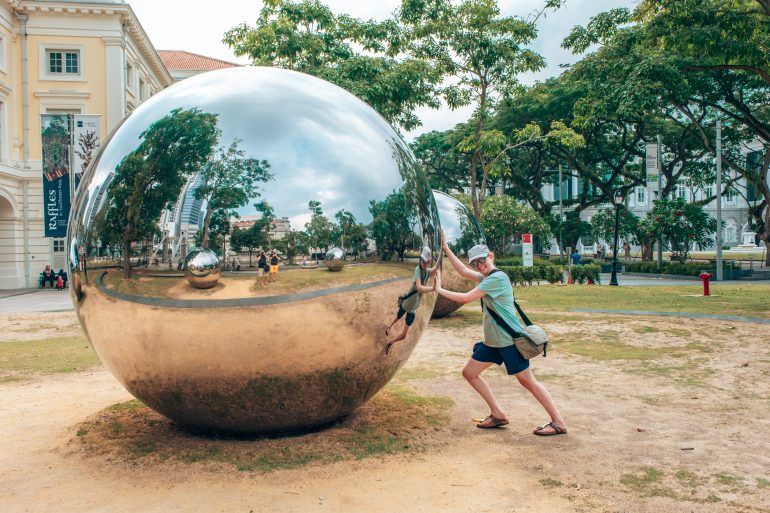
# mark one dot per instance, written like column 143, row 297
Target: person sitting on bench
column 47, row 276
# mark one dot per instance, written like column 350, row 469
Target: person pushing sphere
column 495, row 290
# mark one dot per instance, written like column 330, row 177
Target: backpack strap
column 523, row 316
column 499, row 320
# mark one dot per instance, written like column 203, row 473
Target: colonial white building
column 735, row 203
column 59, row 57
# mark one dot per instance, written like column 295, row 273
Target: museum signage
column 56, row 133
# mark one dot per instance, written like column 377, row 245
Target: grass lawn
column 732, row 299
column 24, row 360
column 292, row 281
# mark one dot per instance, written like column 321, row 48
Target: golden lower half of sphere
column 450, row 280
column 268, row 364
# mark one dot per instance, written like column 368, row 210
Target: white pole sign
column 527, row 256
column 86, row 142
column 651, row 162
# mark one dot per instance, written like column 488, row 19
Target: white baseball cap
column 478, row 251
column 425, row 255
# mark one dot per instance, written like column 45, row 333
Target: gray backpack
column 530, row 342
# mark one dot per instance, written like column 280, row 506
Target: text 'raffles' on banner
column 56, row 133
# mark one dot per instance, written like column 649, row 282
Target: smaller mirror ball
column 335, row 259
column 201, row 268
column 287, row 347
column 462, row 232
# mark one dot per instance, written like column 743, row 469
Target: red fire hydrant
column 706, row 277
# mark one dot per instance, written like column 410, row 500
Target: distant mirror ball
column 283, row 348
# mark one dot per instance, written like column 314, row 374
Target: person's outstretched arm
column 462, row 269
column 458, row 297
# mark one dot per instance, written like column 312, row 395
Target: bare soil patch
column 664, row 415
column 396, row 420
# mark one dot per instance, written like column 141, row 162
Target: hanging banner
column 86, row 141
column 651, row 162
column 56, row 135
column 527, row 256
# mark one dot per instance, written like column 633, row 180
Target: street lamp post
column 618, row 202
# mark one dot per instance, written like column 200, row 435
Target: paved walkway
column 635, row 281
column 35, row 300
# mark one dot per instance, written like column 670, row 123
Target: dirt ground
column 664, row 415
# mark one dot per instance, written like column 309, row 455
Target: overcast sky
column 177, row 25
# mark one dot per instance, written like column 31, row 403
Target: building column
column 116, row 87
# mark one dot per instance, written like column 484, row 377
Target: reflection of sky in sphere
column 322, row 143
column 454, row 216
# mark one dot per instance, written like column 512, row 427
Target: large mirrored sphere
column 201, row 267
column 462, row 232
column 285, row 347
column 335, row 259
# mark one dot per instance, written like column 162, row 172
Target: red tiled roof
column 187, row 61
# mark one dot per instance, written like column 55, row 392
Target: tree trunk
column 206, row 223
column 646, row 251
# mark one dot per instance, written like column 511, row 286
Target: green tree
column 504, row 220
column 706, row 59
column 681, row 225
column 631, row 227
column 353, row 54
column 391, row 227
column 292, row 244
column 150, row 178
column 250, row 239
column 219, row 227
column 320, row 231
column 571, row 229
column 483, row 53
column 228, row 181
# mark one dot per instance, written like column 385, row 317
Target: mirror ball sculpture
column 201, row 268
column 297, row 352
column 462, row 232
column 335, row 259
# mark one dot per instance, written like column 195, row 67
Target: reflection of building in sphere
column 335, row 259
column 462, row 231
column 201, row 268
column 235, row 357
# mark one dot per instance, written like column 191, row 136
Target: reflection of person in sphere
column 495, row 290
column 409, row 302
column 274, row 259
column 262, row 266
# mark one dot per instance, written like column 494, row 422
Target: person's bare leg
column 387, row 330
column 528, row 381
column 401, row 337
column 472, row 374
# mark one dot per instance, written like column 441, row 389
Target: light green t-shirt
column 499, row 297
column 411, row 303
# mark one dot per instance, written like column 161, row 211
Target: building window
column 142, row 92
column 708, row 191
column 641, row 195
column 681, row 192
column 130, row 77
column 730, row 195
column 58, row 245
column 64, row 62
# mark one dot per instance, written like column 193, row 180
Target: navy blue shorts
column 409, row 316
column 514, row 362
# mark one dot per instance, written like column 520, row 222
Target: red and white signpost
column 527, row 256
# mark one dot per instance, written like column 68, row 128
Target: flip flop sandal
column 491, row 423
column 557, row 430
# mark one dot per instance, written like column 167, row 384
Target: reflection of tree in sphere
column 291, row 352
column 335, row 259
column 462, row 232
